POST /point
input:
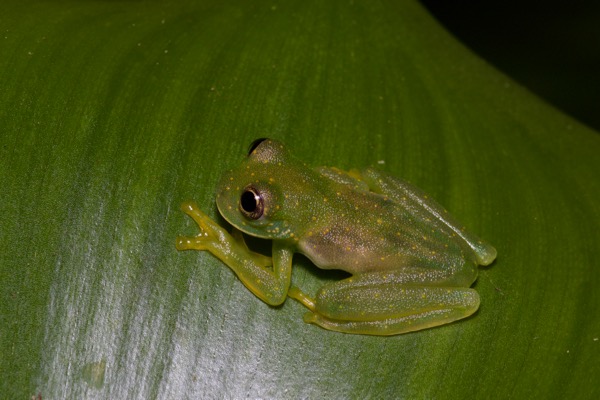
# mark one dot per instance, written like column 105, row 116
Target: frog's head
column 259, row 196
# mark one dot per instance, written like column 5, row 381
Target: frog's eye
column 255, row 144
column 252, row 204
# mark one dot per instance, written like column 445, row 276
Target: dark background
column 552, row 48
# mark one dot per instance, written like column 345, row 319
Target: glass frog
column 411, row 264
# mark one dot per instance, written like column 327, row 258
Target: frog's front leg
column 268, row 278
column 384, row 303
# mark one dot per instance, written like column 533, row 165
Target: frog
column 410, row 265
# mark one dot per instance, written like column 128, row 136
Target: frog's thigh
column 423, row 207
column 389, row 308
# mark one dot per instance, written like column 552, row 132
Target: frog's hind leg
column 423, row 207
column 387, row 308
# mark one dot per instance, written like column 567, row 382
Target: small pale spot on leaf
column 93, row 373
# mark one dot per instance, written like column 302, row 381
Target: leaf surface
column 113, row 113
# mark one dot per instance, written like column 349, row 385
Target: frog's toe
column 184, row 243
column 191, row 243
column 310, row 318
column 192, row 209
column 295, row 293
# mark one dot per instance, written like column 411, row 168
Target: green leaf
column 113, row 113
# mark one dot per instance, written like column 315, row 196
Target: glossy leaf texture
column 112, row 113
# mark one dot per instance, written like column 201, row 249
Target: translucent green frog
column 411, row 263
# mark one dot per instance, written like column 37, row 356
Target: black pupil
column 249, row 201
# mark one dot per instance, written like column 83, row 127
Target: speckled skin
column 411, row 263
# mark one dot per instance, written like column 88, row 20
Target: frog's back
column 393, row 226
column 418, row 204
column 371, row 233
